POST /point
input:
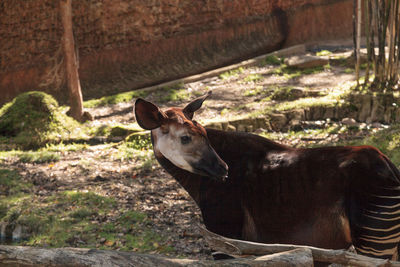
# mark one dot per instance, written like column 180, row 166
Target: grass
column 115, row 99
column 349, row 70
column 335, row 97
column 231, row 73
column 11, row 183
column 255, row 91
column 142, row 155
column 292, row 73
column 323, row 53
column 252, row 78
column 387, row 140
column 272, row 60
column 61, row 147
column 71, row 218
column 39, row 156
column 34, row 119
column 282, row 93
column 176, row 92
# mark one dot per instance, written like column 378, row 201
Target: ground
column 134, row 181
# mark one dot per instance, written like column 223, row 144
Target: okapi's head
column 180, row 139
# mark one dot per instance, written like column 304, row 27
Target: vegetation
column 251, row 78
column 387, row 140
column 381, row 24
column 33, row 119
column 66, row 218
column 292, row 73
column 89, row 217
column 323, row 53
column 272, row 60
column 231, row 73
column 115, row 99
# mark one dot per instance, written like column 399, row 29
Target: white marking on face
column 169, row 145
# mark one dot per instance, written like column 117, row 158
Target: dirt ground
column 170, row 210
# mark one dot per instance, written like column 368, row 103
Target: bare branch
column 240, row 247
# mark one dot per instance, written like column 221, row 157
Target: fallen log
column 31, row 256
column 240, row 247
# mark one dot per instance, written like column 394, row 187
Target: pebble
column 349, row 122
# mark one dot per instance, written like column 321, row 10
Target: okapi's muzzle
column 211, row 165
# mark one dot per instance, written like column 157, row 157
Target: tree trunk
column 240, row 247
column 30, row 256
column 74, row 87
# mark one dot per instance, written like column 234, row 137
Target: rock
column 297, row 114
column 263, row 123
column 224, row 125
column 231, row 128
column 376, row 125
column 365, row 102
column 295, row 125
column 363, row 126
column 350, row 122
column 241, row 128
column 306, row 61
column 215, row 125
column 278, row 121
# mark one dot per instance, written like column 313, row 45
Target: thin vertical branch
column 367, row 35
column 372, row 10
column 358, row 41
column 394, row 76
column 389, row 38
column 354, row 29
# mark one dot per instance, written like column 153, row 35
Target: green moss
column 252, row 78
column 255, row 91
column 121, row 130
column 112, row 130
column 33, row 119
column 349, row 70
column 115, row 99
column 41, row 156
column 272, row 60
column 70, row 218
column 324, row 53
column 283, row 93
column 291, row 73
column 231, row 73
column 387, row 140
column 139, row 140
column 11, row 183
column 61, row 147
column 38, row 156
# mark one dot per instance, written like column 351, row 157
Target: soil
column 169, row 208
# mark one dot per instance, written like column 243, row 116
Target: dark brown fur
column 277, row 194
column 328, row 197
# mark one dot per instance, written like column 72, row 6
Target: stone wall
column 125, row 44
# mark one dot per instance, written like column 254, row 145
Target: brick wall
column 126, row 44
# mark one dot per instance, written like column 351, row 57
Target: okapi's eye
column 185, row 139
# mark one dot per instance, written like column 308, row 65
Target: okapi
column 251, row 188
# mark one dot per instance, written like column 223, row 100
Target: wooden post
column 74, row 87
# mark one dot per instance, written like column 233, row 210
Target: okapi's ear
column 148, row 115
column 195, row 105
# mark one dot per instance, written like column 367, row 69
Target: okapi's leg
column 375, row 222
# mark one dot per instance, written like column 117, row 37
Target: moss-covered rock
column 33, row 119
column 139, row 140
